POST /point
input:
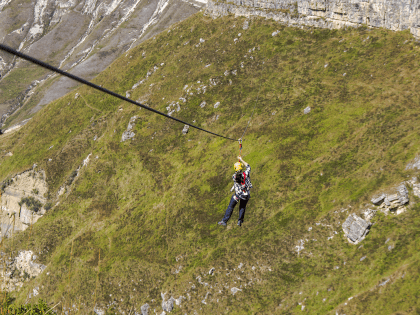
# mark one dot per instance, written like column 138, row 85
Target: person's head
column 238, row 166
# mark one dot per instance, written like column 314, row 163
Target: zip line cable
column 76, row 78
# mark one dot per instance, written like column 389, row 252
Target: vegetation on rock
column 31, row 203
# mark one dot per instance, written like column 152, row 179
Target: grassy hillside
column 140, row 219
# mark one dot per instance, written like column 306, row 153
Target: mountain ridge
column 83, row 37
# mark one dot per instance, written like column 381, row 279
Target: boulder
column 167, row 305
column 378, row 200
column 145, row 309
column 355, row 228
column 402, row 194
column 185, row 130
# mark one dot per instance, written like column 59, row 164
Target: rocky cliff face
column 393, row 15
column 80, row 36
column 22, row 201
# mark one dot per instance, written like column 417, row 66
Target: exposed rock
column 235, row 290
column 19, row 270
column 307, row 110
column 22, row 200
column 211, row 271
column 202, row 104
column 415, row 164
column 129, row 134
column 378, row 200
column 402, row 194
column 185, row 130
column 392, row 197
column 167, row 305
column 355, row 228
column 179, row 300
column 400, row 210
column 393, row 202
column 98, row 311
column 16, row 126
column 245, row 26
column 369, row 214
column 300, row 246
column 384, row 283
column 173, row 107
column 397, row 16
column 86, row 161
column 217, row 104
column 89, row 31
column 145, row 309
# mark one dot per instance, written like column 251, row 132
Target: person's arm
column 242, row 161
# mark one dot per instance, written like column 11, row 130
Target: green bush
column 37, row 308
column 31, row 203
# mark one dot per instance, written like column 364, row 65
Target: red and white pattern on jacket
column 242, row 190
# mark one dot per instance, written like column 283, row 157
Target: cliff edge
column 393, row 15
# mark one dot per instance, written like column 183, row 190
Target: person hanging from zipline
column 242, row 185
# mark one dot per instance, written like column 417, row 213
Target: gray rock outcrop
column 129, row 134
column 82, row 36
column 185, row 130
column 145, row 309
column 393, row 15
column 28, row 187
column 355, row 228
column 414, row 164
column 393, row 202
column 20, row 269
column 167, row 304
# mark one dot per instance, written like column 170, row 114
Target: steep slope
column 138, row 223
column 81, row 36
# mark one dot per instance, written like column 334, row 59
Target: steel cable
column 76, row 78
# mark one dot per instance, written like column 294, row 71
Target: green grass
column 151, row 204
column 13, row 85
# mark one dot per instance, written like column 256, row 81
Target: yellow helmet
column 237, row 166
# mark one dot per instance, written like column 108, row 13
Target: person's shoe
column 222, row 223
column 239, row 223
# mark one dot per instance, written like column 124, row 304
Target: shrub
column 31, row 203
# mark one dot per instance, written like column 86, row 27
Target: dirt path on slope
column 89, row 105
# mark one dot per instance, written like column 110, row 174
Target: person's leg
column 229, row 209
column 242, row 207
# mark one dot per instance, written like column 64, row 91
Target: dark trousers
column 232, row 204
